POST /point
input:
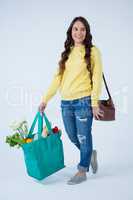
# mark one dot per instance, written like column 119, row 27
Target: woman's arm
column 52, row 89
column 96, row 76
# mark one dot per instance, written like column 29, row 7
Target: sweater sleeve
column 52, row 89
column 96, row 76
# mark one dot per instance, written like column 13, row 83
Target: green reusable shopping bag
column 43, row 156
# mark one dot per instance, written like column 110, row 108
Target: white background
column 32, row 35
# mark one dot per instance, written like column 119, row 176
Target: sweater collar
column 80, row 48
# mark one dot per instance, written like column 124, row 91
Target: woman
column 79, row 80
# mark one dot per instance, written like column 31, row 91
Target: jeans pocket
column 84, row 112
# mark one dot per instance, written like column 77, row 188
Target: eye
column 83, row 29
column 75, row 28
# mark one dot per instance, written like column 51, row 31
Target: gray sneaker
column 77, row 179
column 94, row 163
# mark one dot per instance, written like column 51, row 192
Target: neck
column 78, row 44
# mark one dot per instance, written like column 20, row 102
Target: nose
column 79, row 34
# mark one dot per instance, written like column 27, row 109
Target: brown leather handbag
column 107, row 107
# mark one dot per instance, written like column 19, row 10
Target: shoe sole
column 75, row 183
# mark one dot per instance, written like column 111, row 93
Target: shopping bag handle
column 33, row 125
column 48, row 124
column 39, row 117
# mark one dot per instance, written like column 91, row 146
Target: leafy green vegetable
column 15, row 140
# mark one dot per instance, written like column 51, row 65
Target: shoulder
column 95, row 51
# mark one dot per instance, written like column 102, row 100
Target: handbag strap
column 104, row 83
column 106, row 87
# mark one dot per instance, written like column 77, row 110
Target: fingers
column 96, row 117
column 99, row 114
column 41, row 108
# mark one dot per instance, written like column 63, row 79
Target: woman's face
column 78, row 32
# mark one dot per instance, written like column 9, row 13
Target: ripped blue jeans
column 77, row 118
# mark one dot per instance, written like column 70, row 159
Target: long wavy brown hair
column 69, row 43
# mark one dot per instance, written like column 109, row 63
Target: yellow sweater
column 75, row 82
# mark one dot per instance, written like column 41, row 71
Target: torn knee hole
column 82, row 119
column 81, row 138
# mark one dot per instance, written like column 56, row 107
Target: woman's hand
column 97, row 112
column 42, row 107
